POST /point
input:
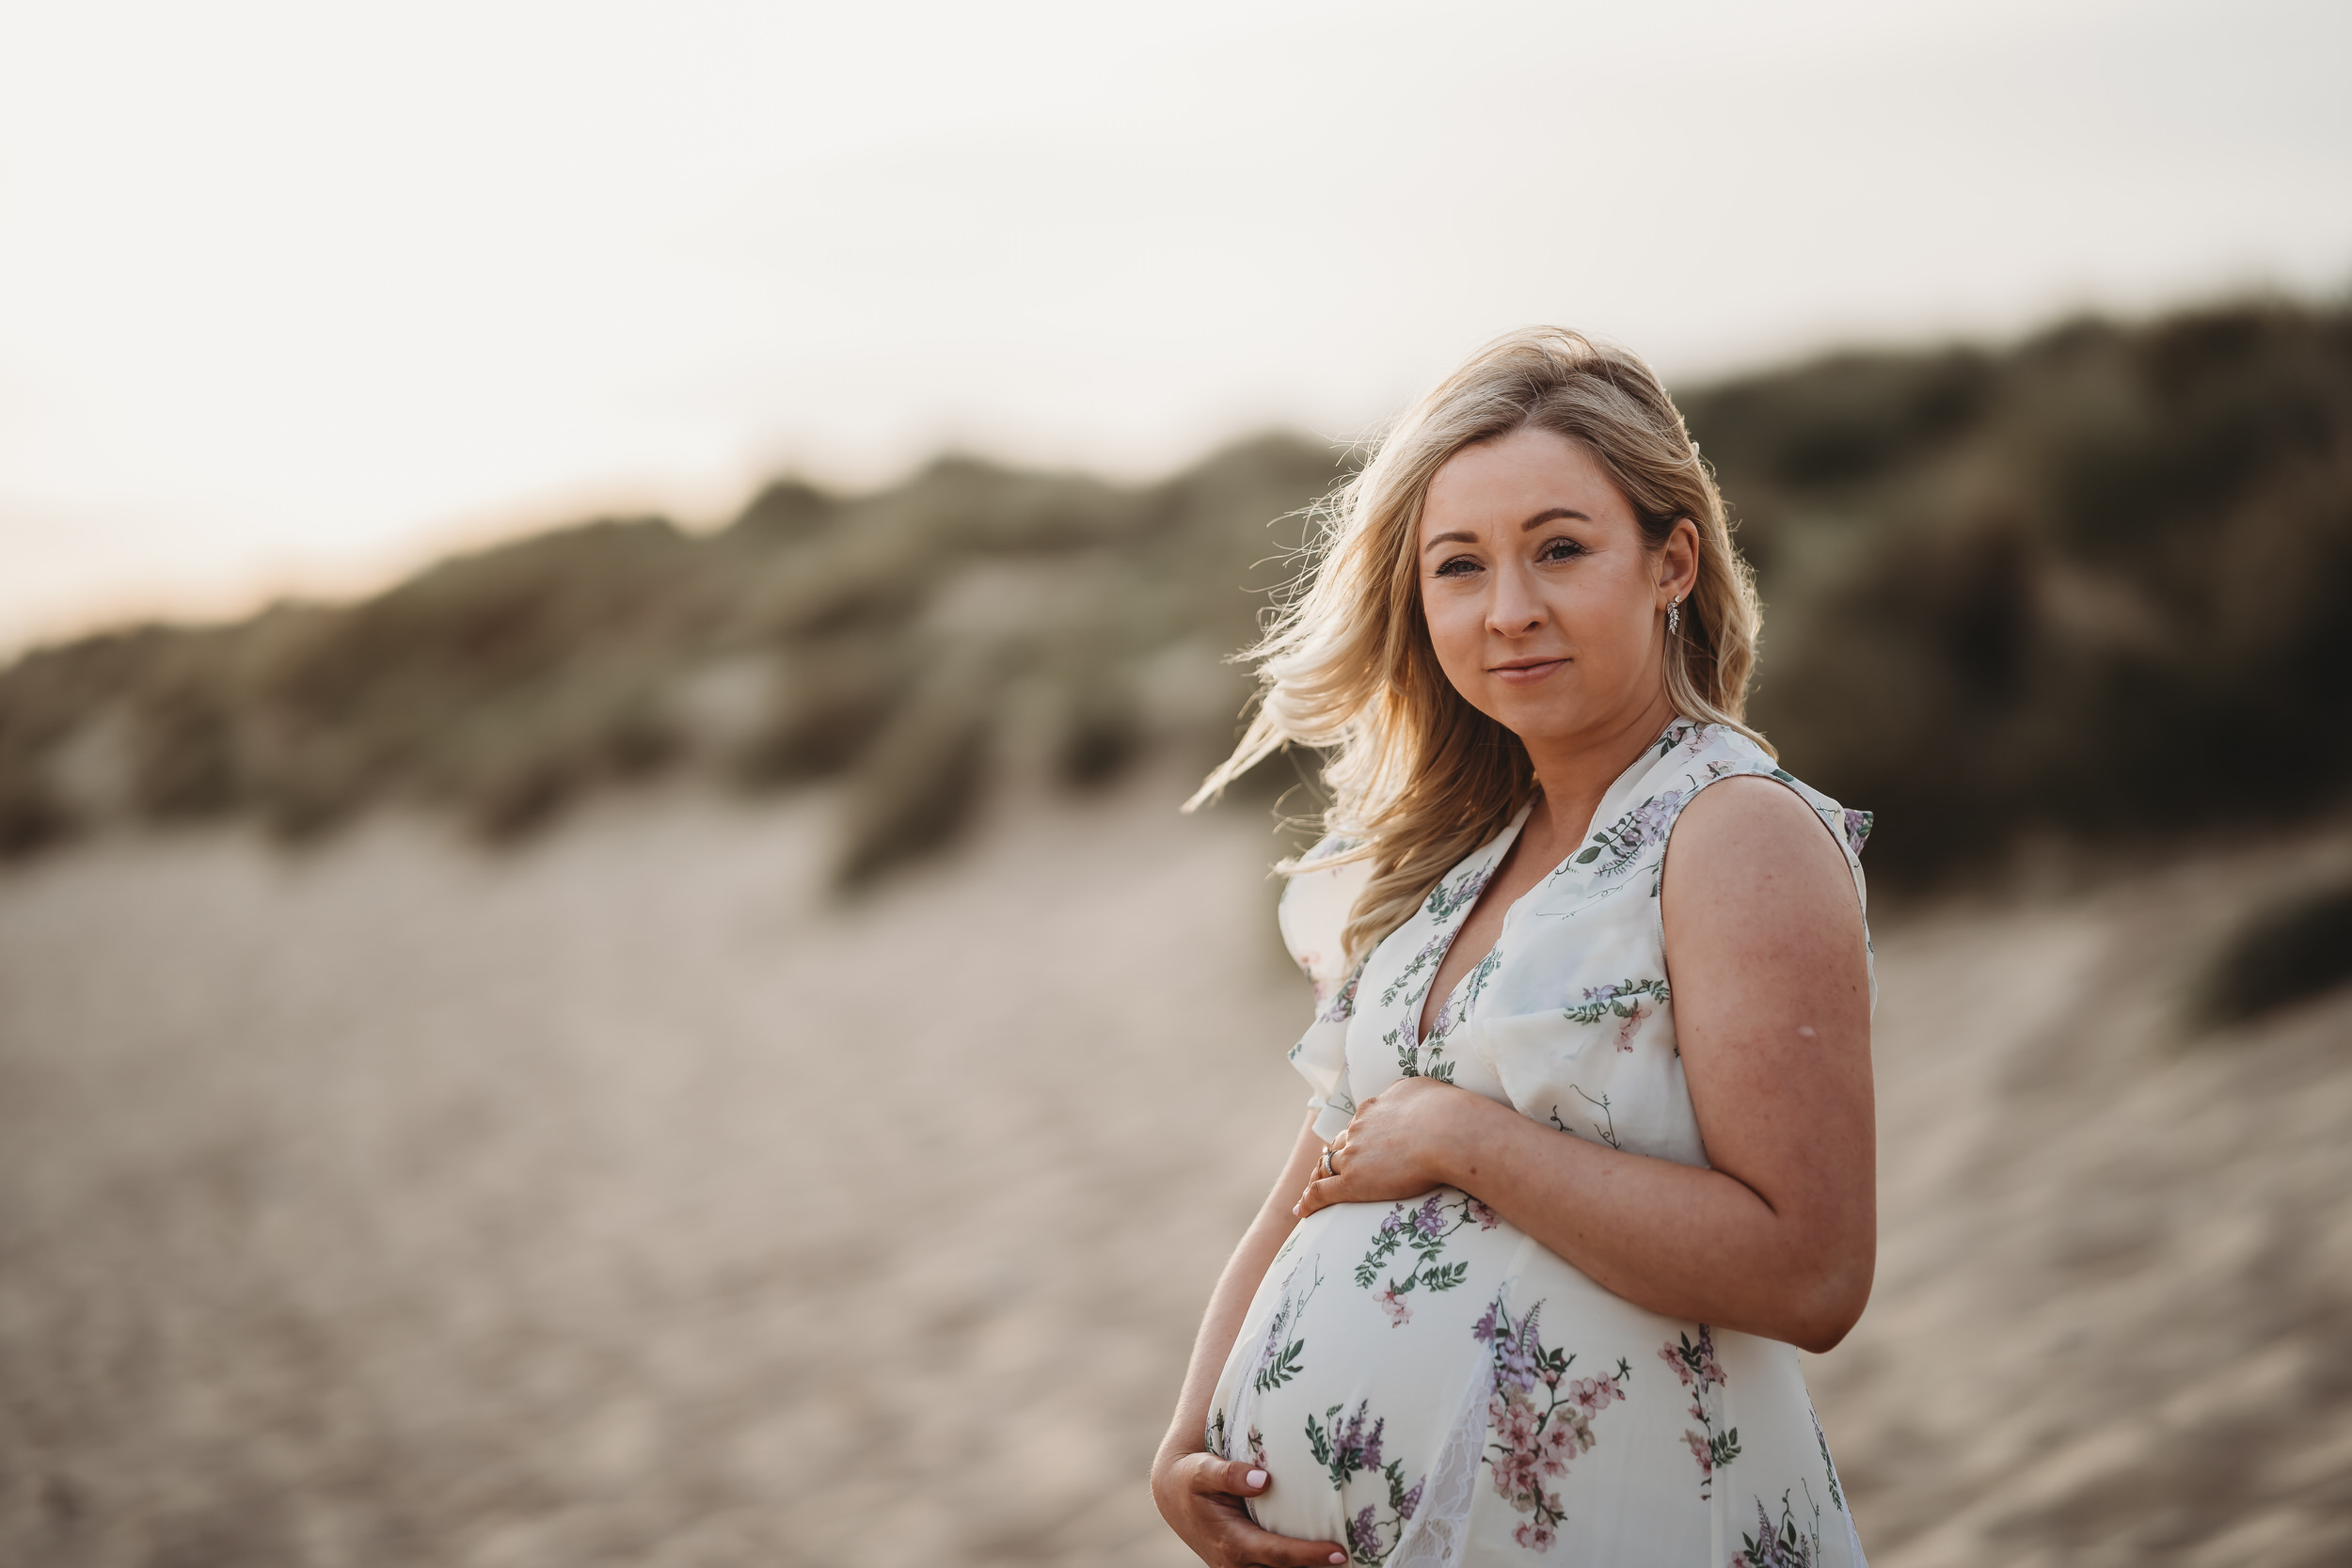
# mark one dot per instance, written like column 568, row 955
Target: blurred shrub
column 502, row 686
column 2091, row 585
column 918, row 785
column 2287, row 953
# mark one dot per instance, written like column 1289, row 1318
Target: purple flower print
column 1445, row 903
column 1784, row 1547
column 1857, row 834
column 1422, row 1231
column 1341, row 1006
column 1622, row 1001
column 1622, row 841
column 1347, row 1450
column 1344, row 1447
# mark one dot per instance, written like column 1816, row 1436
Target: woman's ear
column 1679, row 560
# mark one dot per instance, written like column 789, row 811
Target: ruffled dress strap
column 1314, row 918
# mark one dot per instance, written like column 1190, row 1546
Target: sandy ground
column 622, row 1202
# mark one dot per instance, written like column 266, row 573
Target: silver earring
column 1673, row 615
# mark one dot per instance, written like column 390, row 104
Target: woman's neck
column 1575, row 771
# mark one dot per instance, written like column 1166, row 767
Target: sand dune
column 621, row 1202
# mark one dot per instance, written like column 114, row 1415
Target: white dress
column 1430, row 1385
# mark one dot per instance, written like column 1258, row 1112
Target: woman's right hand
column 1200, row 1497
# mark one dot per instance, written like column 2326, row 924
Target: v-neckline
column 1502, row 847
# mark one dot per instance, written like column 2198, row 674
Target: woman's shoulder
column 1763, row 789
column 1754, row 835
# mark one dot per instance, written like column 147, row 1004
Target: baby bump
column 1418, row 1366
column 1354, row 1362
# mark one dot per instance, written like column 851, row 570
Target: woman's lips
column 1525, row 674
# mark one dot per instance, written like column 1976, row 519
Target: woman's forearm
column 1682, row 1241
column 1230, row 1302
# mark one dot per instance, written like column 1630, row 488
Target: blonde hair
column 1418, row 777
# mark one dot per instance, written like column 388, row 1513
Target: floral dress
column 1425, row 1382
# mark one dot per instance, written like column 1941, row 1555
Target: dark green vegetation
column 2090, row 586
column 2287, row 953
column 2094, row 587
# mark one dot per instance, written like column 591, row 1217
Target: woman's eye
column 1559, row 549
column 1460, row 566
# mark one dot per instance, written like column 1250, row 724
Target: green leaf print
column 1621, row 1000
column 1422, row 1232
column 1418, row 1061
column 1280, row 1357
column 1829, row 1466
column 1283, row 1368
column 1695, row 1365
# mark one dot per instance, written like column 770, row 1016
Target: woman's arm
column 1766, row 952
column 1199, row 1493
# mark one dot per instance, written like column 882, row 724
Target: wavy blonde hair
column 1419, row 778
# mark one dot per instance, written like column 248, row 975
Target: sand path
column 622, row 1202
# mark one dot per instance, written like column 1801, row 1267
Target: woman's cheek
column 1455, row 633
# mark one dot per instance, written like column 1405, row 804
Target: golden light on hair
column 1418, row 777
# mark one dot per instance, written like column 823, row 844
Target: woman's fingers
column 1239, row 1477
column 1321, row 1191
column 1255, row 1548
column 1317, row 1195
column 1239, row 1543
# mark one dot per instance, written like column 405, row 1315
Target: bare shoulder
column 1753, row 845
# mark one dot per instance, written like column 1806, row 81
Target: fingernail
column 1339, row 1557
column 1254, row 1480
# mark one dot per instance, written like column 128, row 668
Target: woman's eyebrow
column 1457, row 536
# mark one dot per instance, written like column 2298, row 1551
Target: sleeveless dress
column 1430, row 1385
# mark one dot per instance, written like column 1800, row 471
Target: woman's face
column 1545, row 606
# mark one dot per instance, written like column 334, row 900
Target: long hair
column 1418, row 778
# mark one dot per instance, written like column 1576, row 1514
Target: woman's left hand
column 1402, row 1143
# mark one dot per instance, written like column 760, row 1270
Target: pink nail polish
column 1254, row 1480
column 1339, row 1557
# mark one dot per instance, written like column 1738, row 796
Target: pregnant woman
column 1589, row 1152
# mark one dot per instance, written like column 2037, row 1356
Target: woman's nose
column 1514, row 608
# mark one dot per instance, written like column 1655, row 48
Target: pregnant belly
column 1383, row 1333
column 1360, row 1353
column 1417, row 1373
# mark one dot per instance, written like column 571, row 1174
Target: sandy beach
column 624, row 1200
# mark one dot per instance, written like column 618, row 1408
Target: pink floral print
column 1701, row 1374
column 1537, row 1417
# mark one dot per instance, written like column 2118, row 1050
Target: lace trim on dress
column 1436, row 1535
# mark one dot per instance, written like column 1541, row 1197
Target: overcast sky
column 292, row 296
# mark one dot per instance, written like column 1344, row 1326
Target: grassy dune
column 2088, row 587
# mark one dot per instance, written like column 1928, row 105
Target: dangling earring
column 1673, row 615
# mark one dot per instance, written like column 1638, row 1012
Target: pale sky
column 294, row 296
